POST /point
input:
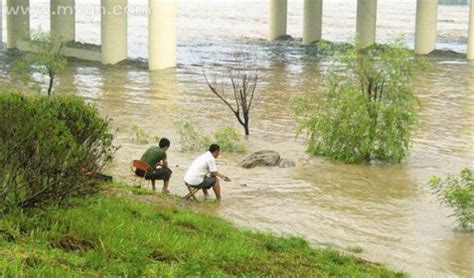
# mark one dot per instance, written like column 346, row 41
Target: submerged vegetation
column 193, row 139
column 139, row 136
column 458, row 194
column 120, row 236
column 367, row 109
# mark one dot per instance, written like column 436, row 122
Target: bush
column 47, row 145
column 228, row 139
column 139, row 136
column 367, row 109
column 457, row 193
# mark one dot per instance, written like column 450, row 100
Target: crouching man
column 156, row 157
column 203, row 172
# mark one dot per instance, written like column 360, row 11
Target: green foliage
column 229, row 140
column 46, row 147
column 367, row 109
column 117, row 236
column 139, row 136
column 193, row 139
column 458, row 194
column 46, row 57
column 141, row 191
column 325, row 47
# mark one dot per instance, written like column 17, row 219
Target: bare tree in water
column 243, row 77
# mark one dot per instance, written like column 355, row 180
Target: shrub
column 192, row 139
column 367, row 109
column 457, row 193
column 229, row 140
column 47, row 145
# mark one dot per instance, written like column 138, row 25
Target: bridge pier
column 278, row 11
column 1, row 23
column 18, row 22
column 312, row 21
column 426, row 26
column 366, row 27
column 63, row 19
column 470, row 35
column 162, row 34
column 114, row 31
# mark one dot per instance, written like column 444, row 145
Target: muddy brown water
column 387, row 210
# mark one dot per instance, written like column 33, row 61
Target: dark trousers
column 155, row 174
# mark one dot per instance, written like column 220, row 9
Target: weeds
column 118, row 236
column 193, row 139
column 139, row 136
column 355, row 249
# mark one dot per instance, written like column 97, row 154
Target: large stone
column 261, row 158
column 286, row 163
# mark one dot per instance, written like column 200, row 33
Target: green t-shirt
column 153, row 155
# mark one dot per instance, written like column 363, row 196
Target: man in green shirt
column 156, row 157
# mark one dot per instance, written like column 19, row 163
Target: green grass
column 140, row 191
column 111, row 235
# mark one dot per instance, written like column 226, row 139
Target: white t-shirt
column 201, row 166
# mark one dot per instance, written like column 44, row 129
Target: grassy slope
column 117, row 235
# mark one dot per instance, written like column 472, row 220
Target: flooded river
column 386, row 210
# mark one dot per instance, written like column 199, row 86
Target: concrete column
column 278, row 10
column 313, row 21
column 470, row 35
column 366, row 22
column 18, row 21
column 426, row 22
column 114, row 31
column 63, row 19
column 1, row 21
column 162, row 37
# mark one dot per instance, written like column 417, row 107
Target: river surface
column 386, row 210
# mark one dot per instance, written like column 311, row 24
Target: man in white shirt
column 203, row 172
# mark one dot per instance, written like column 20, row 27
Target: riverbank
column 132, row 233
column 387, row 210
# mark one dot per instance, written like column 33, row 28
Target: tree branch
column 220, row 96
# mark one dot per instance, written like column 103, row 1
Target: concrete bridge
column 162, row 27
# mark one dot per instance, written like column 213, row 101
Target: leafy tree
column 366, row 109
column 457, row 193
column 243, row 79
column 45, row 56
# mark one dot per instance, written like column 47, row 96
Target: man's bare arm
column 163, row 163
column 217, row 174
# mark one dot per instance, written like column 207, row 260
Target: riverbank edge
column 129, row 231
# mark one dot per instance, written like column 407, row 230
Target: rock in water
column 286, row 163
column 261, row 158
